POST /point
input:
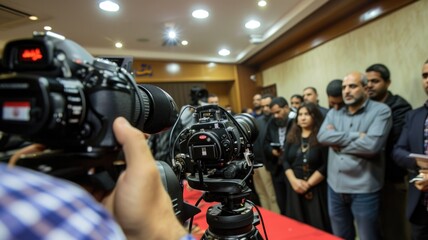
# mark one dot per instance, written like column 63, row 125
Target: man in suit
column 414, row 139
column 262, row 176
column 310, row 94
column 276, row 133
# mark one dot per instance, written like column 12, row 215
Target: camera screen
column 16, row 111
column 30, row 54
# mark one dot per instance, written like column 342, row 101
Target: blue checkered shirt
column 37, row 206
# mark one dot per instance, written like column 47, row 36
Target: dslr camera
column 53, row 92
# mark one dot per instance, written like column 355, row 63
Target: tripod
column 233, row 218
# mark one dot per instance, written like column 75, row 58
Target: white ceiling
column 139, row 25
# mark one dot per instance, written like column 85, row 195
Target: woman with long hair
column 305, row 164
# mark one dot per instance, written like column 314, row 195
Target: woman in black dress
column 305, row 164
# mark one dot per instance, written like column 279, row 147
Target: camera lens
column 159, row 110
column 246, row 121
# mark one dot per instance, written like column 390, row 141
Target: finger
column 138, row 156
column 33, row 148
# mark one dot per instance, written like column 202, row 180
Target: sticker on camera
column 16, row 111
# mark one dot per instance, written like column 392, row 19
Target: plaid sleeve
column 38, row 206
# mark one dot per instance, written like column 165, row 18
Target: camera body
column 52, row 91
column 217, row 149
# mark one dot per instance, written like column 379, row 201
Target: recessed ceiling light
column 200, row 14
column 252, row 24
column 118, row 45
column 172, row 34
column 184, row 43
column 33, row 18
column 109, row 6
column 47, row 28
column 262, row 3
column 224, row 52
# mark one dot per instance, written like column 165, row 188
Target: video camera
column 216, row 157
column 53, row 92
column 218, row 145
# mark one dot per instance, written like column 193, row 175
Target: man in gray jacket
column 356, row 135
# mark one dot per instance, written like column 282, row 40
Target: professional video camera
column 52, row 91
column 216, row 157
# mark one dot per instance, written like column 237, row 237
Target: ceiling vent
column 11, row 18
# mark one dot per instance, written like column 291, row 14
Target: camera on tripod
column 218, row 146
column 216, row 157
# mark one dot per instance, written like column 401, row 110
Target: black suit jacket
column 272, row 136
column 411, row 141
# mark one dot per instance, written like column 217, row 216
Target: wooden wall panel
column 164, row 71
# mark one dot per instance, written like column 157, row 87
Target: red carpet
column 277, row 226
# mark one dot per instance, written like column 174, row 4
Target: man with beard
column 393, row 223
column 276, row 133
column 355, row 135
column 262, row 176
column 414, row 139
column 257, row 107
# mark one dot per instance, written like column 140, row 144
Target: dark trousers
column 279, row 186
column 419, row 222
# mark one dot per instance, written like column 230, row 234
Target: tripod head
column 233, row 218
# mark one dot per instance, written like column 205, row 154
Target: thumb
column 137, row 153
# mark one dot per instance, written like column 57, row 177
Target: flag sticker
column 16, row 111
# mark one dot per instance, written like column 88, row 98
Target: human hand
column 139, row 201
column 362, row 134
column 299, row 186
column 330, row 127
column 422, row 163
column 422, row 185
column 276, row 152
column 336, row 148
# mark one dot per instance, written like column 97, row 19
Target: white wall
column 399, row 40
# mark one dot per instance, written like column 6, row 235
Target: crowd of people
column 343, row 169
column 346, row 169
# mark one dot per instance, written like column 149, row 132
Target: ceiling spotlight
column 47, row 28
column 252, row 24
column 184, row 43
column 33, row 18
column 224, row 52
column 109, row 6
column 118, row 45
column 172, row 34
column 200, row 14
column 262, row 3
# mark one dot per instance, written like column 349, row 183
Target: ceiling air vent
column 10, row 17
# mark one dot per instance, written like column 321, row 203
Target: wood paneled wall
column 230, row 82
